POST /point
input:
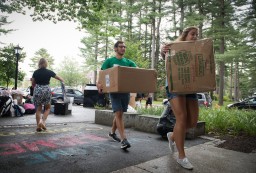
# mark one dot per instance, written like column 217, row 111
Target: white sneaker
column 171, row 143
column 185, row 163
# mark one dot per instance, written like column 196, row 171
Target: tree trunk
column 153, row 44
column 140, row 27
column 221, row 86
column 130, row 3
column 120, row 23
column 157, row 52
column 236, row 82
column 145, row 41
column 106, row 48
column 174, row 18
column 222, row 46
column 146, row 36
column 231, row 81
column 200, row 9
column 182, row 14
column 96, row 59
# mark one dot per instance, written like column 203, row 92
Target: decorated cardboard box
column 190, row 66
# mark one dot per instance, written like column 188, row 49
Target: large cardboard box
column 190, row 67
column 120, row 79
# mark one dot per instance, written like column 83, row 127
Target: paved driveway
column 75, row 147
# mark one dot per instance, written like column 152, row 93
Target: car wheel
column 78, row 103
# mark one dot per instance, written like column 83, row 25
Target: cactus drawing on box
column 200, row 65
column 182, row 58
column 184, row 74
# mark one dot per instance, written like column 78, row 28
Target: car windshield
column 70, row 91
column 199, row 96
column 252, row 100
column 78, row 93
column 57, row 90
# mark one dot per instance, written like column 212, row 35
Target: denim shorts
column 172, row 95
column 119, row 101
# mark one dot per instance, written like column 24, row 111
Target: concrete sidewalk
column 79, row 114
column 206, row 158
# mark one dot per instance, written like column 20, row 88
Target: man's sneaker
column 114, row 137
column 125, row 144
column 185, row 163
column 171, row 143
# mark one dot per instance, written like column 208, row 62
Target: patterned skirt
column 42, row 95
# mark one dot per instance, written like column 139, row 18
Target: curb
column 145, row 123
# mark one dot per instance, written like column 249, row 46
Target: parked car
column 249, row 103
column 26, row 92
column 3, row 88
column 70, row 92
column 204, row 99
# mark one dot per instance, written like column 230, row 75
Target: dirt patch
column 241, row 143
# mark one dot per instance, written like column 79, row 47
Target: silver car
column 70, row 92
column 204, row 100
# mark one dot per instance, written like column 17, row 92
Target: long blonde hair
column 185, row 32
column 43, row 63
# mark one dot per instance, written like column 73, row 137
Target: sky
column 60, row 40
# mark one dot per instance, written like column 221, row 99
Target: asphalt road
column 75, row 147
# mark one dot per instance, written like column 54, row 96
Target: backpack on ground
column 29, row 108
column 17, row 111
column 5, row 106
column 166, row 121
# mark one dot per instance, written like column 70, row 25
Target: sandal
column 38, row 129
column 43, row 126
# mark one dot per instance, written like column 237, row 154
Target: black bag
column 29, row 108
column 5, row 106
column 166, row 121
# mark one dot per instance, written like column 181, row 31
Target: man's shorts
column 149, row 101
column 119, row 101
column 172, row 95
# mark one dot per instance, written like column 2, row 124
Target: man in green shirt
column 119, row 101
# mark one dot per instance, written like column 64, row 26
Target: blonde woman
column 185, row 108
column 42, row 92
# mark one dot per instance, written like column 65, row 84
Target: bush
column 229, row 121
column 219, row 119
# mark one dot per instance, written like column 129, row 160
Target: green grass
column 154, row 111
column 229, row 121
column 219, row 119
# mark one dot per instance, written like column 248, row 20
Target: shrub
column 229, row 121
column 219, row 119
